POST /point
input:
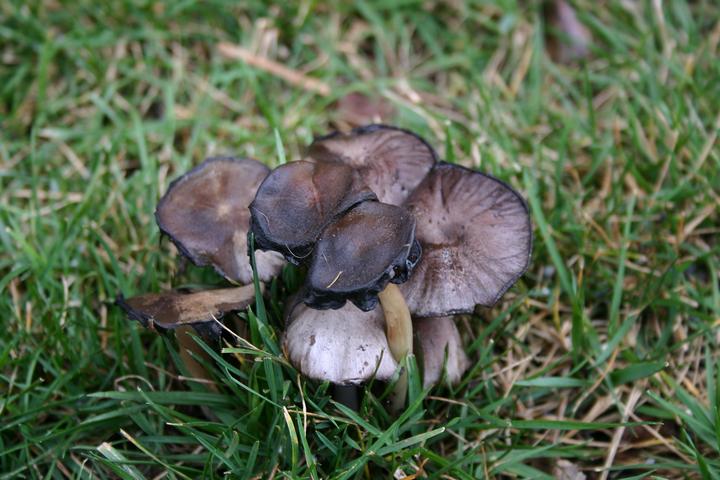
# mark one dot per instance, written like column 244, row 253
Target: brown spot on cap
column 205, row 214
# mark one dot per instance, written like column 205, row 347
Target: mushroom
column 354, row 246
column 389, row 160
column 297, row 200
column 347, row 347
column 476, row 236
column 182, row 312
column 205, row 214
column 359, row 254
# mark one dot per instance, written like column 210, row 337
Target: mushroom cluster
column 392, row 240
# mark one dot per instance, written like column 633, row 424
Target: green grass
column 607, row 348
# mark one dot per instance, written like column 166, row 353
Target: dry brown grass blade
column 236, row 52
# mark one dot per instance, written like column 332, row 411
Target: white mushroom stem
column 398, row 328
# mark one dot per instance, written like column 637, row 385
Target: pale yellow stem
column 398, row 328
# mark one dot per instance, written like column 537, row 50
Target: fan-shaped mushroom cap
column 440, row 348
column 205, row 213
column 356, row 256
column 297, row 200
column 345, row 346
column 476, row 237
column 389, row 160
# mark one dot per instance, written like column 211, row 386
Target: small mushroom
column 297, row 200
column 568, row 40
column 200, row 311
column 389, row 160
column 205, row 214
column 349, row 346
column 359, row 254
column 476, row 237
column 171, row 310
column 356, row 109
column 345, row 346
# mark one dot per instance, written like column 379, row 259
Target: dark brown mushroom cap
column 389, row 160
column 440, row 349
column 297, row 200
column 476, row 237
column 205, row 213
column 200, row 310
column 357, row 255
column 345, row 346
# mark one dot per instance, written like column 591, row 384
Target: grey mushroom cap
column 205, row 214
column 440, row 349
column 345, row 346
column 476, row 237
column 389, row 160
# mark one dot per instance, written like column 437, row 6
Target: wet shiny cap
column 205, row 214
column 389, row 160
column 297, row 201
column 476, row 237
column 359, row 254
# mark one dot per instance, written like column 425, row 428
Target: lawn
column 601, row 361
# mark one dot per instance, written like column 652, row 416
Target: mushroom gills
column 476, row 236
